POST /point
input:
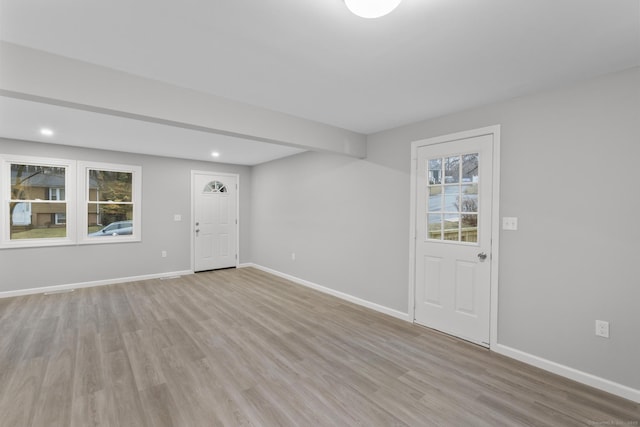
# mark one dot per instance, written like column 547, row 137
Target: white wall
column 166, row 190
column 569, row 164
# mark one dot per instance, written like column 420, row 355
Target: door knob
column 482, row 256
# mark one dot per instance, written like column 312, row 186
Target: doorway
column 214, row 220
column 453, row 277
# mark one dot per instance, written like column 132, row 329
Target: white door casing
column 452, row 288
column 214, row 220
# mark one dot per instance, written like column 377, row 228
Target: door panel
column 453, row 227
column 432, row 282
column 465, row 287
column 223, row 218
column 224, row 245
column 215, row 216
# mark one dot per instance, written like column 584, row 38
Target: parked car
column 119, row 228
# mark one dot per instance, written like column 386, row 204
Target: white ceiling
column 22, row 119
column 315, row 60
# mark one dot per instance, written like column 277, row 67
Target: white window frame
column 76, row 199
column 58, row 220
column 56, row 191
column 83, row 202
column 5, row 196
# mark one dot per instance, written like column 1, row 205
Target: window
column 43, row 204
column 111, row 203
column 215, row 187
column 452, row 208
column 55, row 194
column 60, row 218
column 34, row 201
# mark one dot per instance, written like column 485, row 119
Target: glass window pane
column 469, row 229
column 470, row 167
column 435, row 198
column 451, row 198
column 451, row 225
column 434, row 226
column 110, row 220
column 469, row 203
column 215, row 187
column 452, row 170
column 110, row 186
column 435, row 171
column 470, row 189
column 32, row 182
column 37, row 220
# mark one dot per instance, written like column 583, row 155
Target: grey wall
column 166, row 190
column 569, row 163
column 569, row 173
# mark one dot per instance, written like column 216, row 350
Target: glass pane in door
column 452, row 205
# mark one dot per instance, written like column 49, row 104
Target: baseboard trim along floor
column 377, row 307
column 533, row 360
column 58, row 288
column 530, row 359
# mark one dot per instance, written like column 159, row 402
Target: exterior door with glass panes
column 215, row 221
column 453, row 237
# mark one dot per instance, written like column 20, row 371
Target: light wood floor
column 241, row 347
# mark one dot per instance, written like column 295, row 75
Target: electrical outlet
column 163, row 254
column 602, row 328
column 510, row 223
column 177, row 217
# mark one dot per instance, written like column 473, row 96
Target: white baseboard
column 377, row 307
column 562, row 370
column 58, row 288
column 245, row 265
column 568, row 372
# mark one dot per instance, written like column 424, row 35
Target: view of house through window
column 37, row 208
column 110, row 203
column 50, row 202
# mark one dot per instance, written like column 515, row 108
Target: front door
column 215, row 221
column 453, row 237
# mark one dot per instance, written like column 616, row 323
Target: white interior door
column 453, row 237
column 215, row 221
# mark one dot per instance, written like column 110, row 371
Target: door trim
column 192, row 242
column 495, row 220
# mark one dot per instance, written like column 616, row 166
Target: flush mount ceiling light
column 215, row 154
column 46, row 132
column 371, row 8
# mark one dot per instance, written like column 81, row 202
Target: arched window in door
column 215, row 187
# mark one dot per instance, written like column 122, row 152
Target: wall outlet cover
column 602, row 328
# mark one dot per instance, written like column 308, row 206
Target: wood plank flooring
column 241, row 347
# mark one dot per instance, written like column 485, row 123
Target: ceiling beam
column 40, row 76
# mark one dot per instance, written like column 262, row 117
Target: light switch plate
column 509, row 223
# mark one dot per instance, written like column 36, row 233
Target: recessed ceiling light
column 46, row 132
column 215, row 154
column 371, row 8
